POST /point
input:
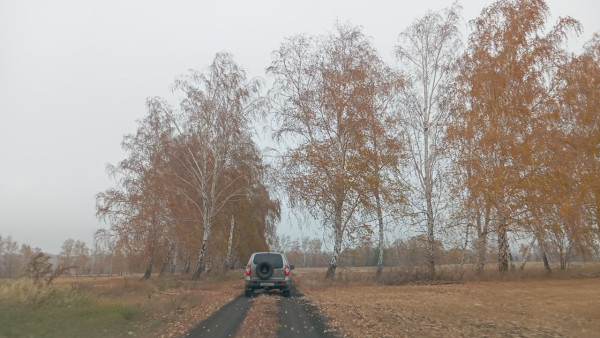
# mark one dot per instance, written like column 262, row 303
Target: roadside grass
column 115, row 306
column 35, row 311
column 528, row 303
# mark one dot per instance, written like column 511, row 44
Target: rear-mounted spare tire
column 264, row 270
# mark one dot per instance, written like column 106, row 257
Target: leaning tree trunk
column 526, row 255
column 201, row 254
column 542, row 248
column 207, row 223
column 546, row 264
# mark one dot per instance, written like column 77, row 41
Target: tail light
column 248, row 269
column 287, row 270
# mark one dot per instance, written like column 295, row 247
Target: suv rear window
column 275, row 259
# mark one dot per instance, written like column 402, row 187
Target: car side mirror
column 292, row 267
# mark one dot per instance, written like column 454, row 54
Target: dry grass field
column 521, row 305
column 528, row 304
column 116, row 306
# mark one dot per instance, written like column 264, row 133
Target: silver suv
column 268, row 270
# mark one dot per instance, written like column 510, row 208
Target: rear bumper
column 267, row 284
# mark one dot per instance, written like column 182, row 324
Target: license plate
column 267, row 284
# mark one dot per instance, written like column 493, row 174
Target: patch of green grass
column 89, row 306
column 49, row 312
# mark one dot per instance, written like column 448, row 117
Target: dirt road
column 225, row 322
column 297, row 318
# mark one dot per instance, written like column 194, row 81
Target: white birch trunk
column 228, row 263
column 381, row 238
column 502, row 245
column 526, row 255
column 337, row 248
column 464, row 248
column 205, row 240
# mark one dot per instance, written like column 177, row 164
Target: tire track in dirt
column 262, row 320
column 299, row 318
column 225, row 322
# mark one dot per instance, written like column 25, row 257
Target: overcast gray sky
column 74, row 76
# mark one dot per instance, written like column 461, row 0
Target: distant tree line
column 22, row 260
column 411, row 252
column 76, row 259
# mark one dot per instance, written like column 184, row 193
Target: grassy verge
column 112, row 306
column 32, row 311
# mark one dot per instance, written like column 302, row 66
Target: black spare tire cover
column 264, row 270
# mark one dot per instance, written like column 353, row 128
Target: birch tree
column 580, row 117
column 382, row 150
column 427, row 50
column 81, row 257
column 320, row 84
column 505, row 86
column 213, row 127
column 66, row 258
column 9, row 263
column 567, row 187
column 105, row 241
column 137, row 208
column 256, row 217
column 187, row 169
